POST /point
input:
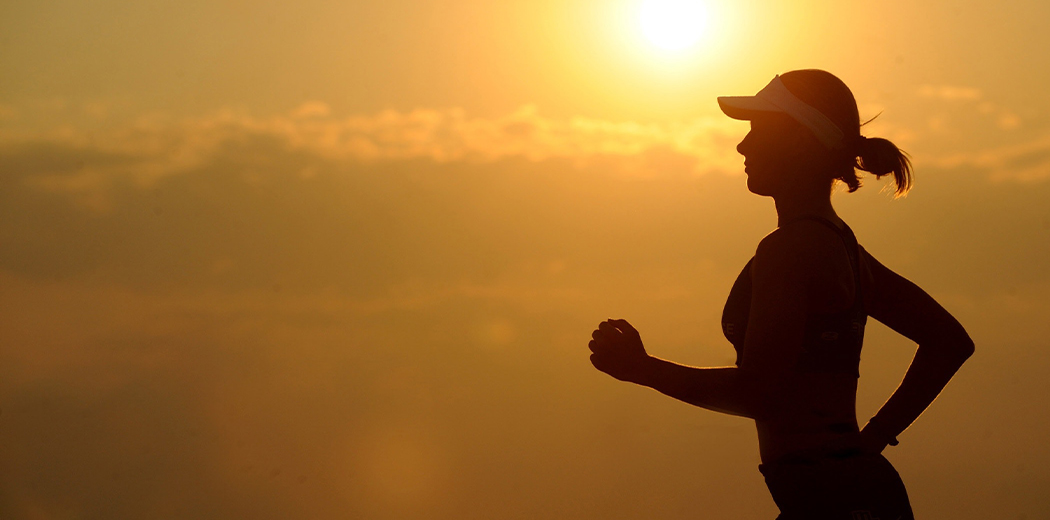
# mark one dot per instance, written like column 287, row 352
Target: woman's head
column 806, row 126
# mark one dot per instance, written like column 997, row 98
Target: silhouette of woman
column 796, row 315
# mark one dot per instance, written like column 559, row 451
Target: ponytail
column 881, row 157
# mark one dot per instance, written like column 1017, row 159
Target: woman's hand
column 871, row 444
column 617, row 350
column 863, row 442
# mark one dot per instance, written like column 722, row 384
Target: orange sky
column 341, row 259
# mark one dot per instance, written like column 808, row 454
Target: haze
column 342, row 259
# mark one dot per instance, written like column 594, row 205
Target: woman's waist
column 808, row 442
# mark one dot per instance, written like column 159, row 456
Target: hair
column 828, row 94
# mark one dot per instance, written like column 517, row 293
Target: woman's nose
column 744, row 145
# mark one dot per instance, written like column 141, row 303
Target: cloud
column 84, row 157
column 950, row 92
column 959, row 128
column 1022, row 162
column 450, row 135
column 156, row 146
column 951, row 109
column 312, row 109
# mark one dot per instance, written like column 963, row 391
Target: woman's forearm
column 930, row 371
column 722, row 389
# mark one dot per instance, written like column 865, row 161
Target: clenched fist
column 617, row 350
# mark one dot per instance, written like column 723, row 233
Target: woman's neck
column 804, row 202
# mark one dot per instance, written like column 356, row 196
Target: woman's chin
column 758, row 188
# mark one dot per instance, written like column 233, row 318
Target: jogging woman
column 796, row 314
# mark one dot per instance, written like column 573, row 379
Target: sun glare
column 672, row 25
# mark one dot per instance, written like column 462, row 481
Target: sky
column 342, row 259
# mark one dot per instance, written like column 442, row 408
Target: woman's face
column 772, row 151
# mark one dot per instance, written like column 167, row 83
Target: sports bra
column 832, row 341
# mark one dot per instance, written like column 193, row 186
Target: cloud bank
column 154, row 146
column 79, row 157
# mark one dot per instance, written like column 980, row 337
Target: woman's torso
column 817, row 406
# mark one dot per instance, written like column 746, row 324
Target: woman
column 796, row 314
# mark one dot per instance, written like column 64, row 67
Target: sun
column 672, row 25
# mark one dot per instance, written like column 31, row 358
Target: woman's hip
column 858, row 487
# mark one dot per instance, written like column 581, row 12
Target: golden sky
column 341, row 259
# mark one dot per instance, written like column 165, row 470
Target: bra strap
column 852, row 250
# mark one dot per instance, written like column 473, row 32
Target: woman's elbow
column 954, row 344
column 961, row 344
column 968, row 348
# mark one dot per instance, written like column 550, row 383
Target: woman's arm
column 781, row 271
column 943, row 346
column 618, row 351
